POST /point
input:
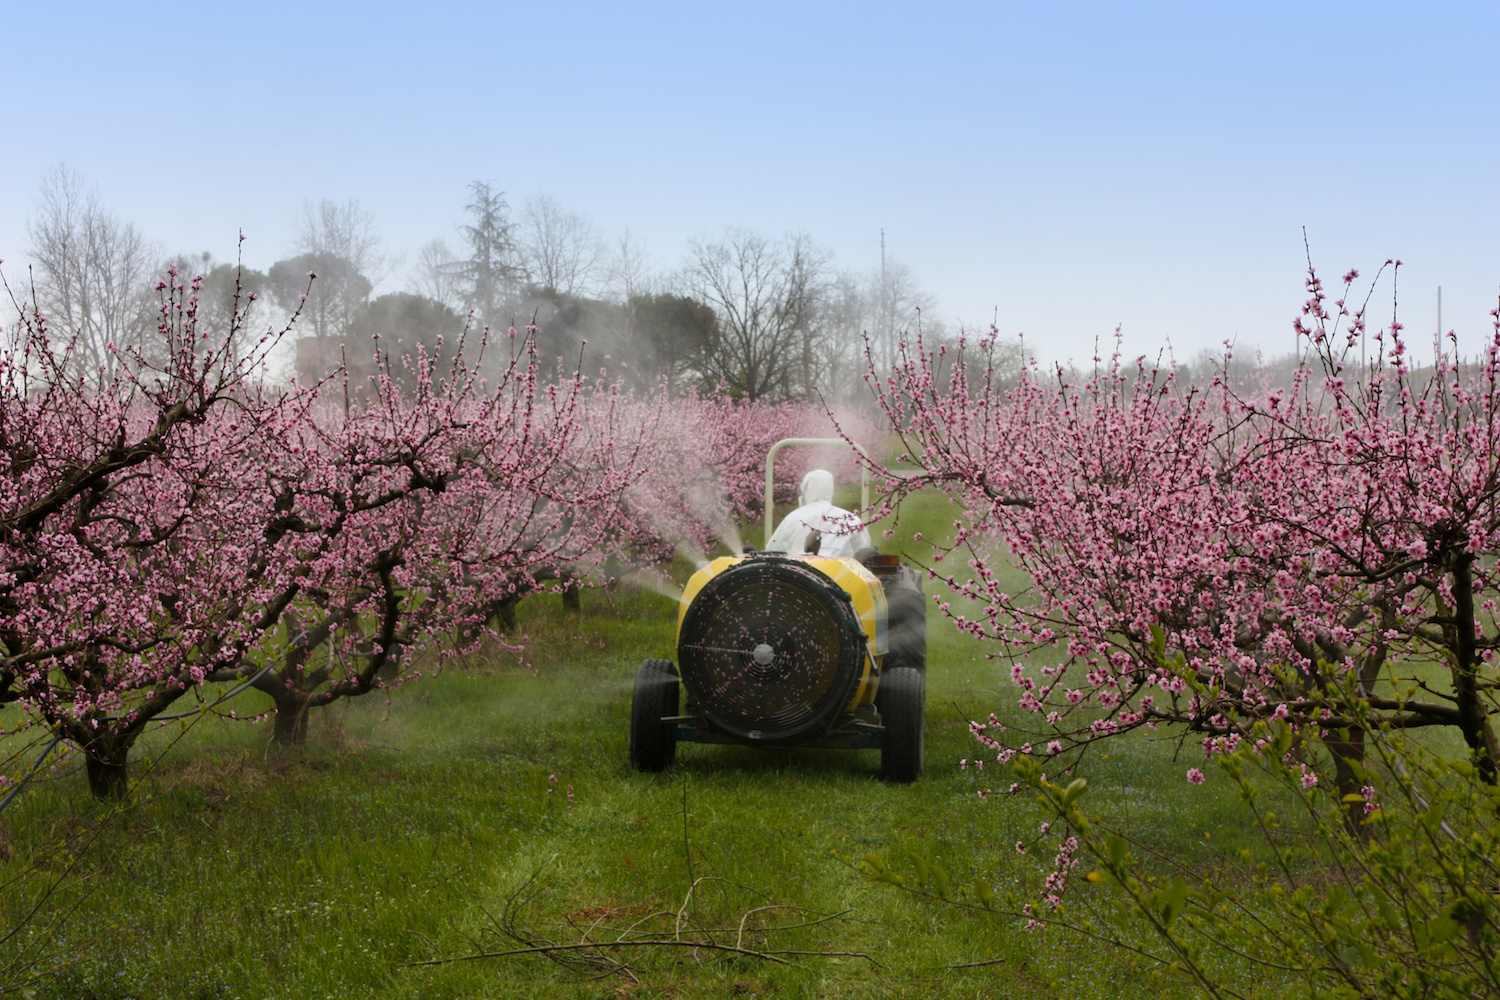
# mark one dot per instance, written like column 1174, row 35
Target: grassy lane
column 243, row 872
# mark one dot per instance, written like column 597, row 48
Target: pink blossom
column 246, row 506
column 1213, row 553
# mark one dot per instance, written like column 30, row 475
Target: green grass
column 241, row 871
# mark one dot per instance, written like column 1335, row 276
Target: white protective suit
column 843, row 534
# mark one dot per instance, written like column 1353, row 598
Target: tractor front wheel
column 904, row 712
column 653, row 743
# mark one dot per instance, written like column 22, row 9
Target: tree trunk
column 391, row 668
column 1473, row 713
column 106, row 763
column 291, row 720
column 1345, row 780
column 504, row 613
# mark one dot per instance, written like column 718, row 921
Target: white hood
column 816, row 485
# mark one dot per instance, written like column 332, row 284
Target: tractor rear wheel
column 904, row 712
column 653, row 743
column 908, row 621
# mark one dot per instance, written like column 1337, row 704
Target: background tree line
column 766, row 317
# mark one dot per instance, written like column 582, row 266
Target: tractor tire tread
column 904, row 714
column 656, row 695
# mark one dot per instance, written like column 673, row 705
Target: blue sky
column 1060, row 169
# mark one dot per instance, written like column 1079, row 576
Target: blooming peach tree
column 137, row 555
column 179, row 522
column 414, row 511
column 1298, row 578
column 1210, row 558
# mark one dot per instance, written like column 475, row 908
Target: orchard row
column 171, row 521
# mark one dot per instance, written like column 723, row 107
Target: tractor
column 782, row 649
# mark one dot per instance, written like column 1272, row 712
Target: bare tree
column 561, row 251
column 629, row 270
column 846, row 315
column 631, row 281
column 337, row 243
column 437, row 275
column 895, row 304
column 93, row 272
column 767, row 294
column 347, row 230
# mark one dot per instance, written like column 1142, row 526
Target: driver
column 817, row 526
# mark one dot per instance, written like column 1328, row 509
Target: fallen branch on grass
column 546, row 948
column 678, row 930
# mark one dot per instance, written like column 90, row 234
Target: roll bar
column 864, row 485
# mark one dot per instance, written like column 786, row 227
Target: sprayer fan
column 770, row 650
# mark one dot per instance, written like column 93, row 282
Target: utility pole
column 887, row 334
